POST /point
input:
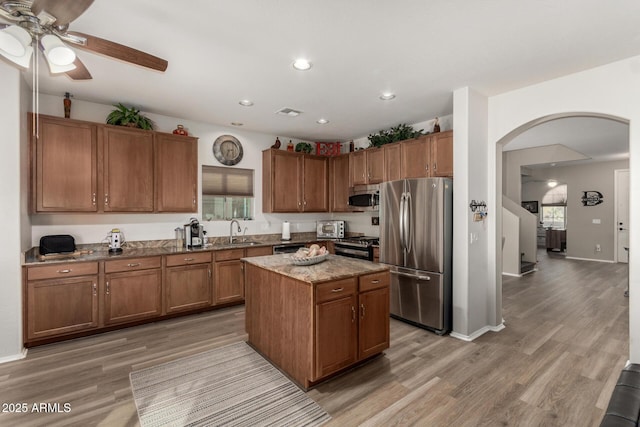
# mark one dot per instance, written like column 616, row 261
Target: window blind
column 221, row 181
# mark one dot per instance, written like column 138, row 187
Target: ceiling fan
column 44, row 25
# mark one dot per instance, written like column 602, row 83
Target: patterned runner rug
column 227, row 386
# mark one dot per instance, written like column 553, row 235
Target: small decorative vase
column 67, row 105
column 290, row 146
column 436, row 126
column 180, row 130
column 276, row 144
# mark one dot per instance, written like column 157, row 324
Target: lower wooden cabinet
column 187, row 282
column 132, row 296
column 229, row 273
column 373, row 322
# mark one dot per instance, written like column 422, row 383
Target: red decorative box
column 328, row 148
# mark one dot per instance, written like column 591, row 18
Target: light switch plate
column 375, row 220
column 596, row 221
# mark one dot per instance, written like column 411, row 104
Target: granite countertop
column 100, row 252
column 333, row 268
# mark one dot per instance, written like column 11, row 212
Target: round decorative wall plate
column 228, row 150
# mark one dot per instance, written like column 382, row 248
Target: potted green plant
column 395, row 134
column 131, row 117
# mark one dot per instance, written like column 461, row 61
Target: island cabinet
column 294, row 182
column 428, row 156
column 127, row 174
column 187, row 282
column 133, row 289
column 64, row 166
column 339, row 183
column 367, row 166
column 313, row 322
column 60, row 299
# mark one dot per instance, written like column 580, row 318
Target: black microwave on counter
column 364, row 197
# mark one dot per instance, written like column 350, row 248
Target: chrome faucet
column 231, row 229
column 244, row 237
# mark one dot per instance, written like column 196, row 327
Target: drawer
column 334, row 290
column 374, row 281
column 188, row 258
column 132, row 264
column 57, row 271
column 229, row 254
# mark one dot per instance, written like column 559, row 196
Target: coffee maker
column 193, row 234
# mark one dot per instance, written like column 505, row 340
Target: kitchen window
column 227, row 193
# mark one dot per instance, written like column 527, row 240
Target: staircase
column 526, row 266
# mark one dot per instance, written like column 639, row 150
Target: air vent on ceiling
column 290, row 112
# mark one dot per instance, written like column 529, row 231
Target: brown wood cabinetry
column 187, row 282
column 339, row 183
column 392, row 162
column 79, row 166
column 294, row 182
column 134, row 294
column 64, row 166
column 373, row 304
column 367, row 166
column 60, row 299
column 229, row 273
column 176, row 173
column 428, row 156
column 127, row 170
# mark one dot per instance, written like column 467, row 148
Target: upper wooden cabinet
column 294, row 182
column 428, row 156
column 79, row 166
column 127, row 170
column 176, row 173
column 392, row 162
column 367, row 166
column 64, row 166
column 339, row 184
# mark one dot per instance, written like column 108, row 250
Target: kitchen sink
column 245, row 243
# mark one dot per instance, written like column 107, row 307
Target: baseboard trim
column 591, row 259
column 477, row 333
column 511, row 274
column 14, row 357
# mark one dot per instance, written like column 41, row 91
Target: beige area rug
column 227, row 386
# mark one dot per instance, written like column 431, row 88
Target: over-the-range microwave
column 364, row 197
column 330, row 229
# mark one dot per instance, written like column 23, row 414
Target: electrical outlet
column 598, row 249
column 375, row 220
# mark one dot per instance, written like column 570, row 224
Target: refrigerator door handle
column 408, row 238
column 401, row 220
column 413, row 276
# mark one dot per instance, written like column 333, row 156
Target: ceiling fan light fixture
column 15, row 45
column 56, row 52
column 57, row 69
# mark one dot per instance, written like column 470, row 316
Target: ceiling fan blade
column 80, row 72
column 118, row 51
column 64, row 11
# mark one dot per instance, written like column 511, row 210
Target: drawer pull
column 189, row 259
column 108, row 289
column 375, row 282
column 337, row 290
column 95, row 289
column 362, row 307
column 353, row 314
column 68, row 270
column 133, row 264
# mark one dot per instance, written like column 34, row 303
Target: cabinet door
column 336, row 335
column 286, row 182
column 339, row 184
column 229, row 282
column 374, row 322
column 176, row 173
column 62, row 306
column 65, row 175
column 187, row 287
column 316, row 184
column 358, row 167
column 128, row 170
column 392, row 163
column 132, row 296
column 415, row 158
column 442, row 154
column 375, row 165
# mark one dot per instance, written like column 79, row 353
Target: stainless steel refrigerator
column 416, row 225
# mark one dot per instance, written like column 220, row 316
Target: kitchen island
column 316, row 321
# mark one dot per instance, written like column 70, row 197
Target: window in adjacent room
column 227, row 193
column 554, row 207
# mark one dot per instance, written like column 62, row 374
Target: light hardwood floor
column 555, row 364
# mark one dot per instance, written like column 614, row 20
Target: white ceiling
column 220, row 52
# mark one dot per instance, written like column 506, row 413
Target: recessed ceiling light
column 322, row 121
column 237, row 123
column 246, row 103
column 552, row 183
column 301, row 64
column 387, row 96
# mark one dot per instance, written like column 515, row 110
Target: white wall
column 609, row 90
column 92, row 228
column 511, row 243
column 10, row 214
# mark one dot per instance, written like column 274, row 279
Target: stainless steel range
column 360, row 247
